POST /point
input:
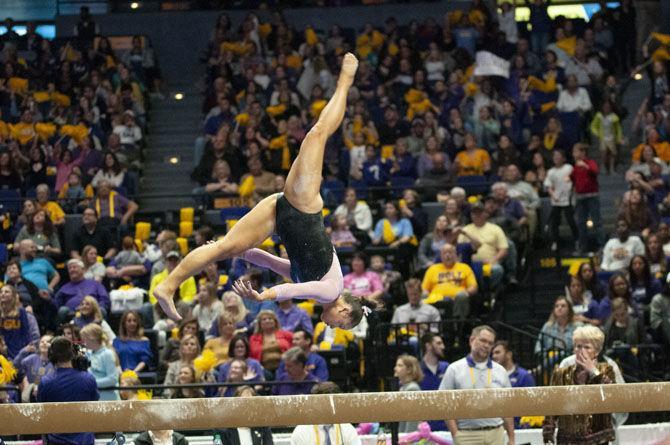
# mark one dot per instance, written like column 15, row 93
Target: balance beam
column 209, row 413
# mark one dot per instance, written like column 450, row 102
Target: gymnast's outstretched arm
column 261, row 258
column 324, row 291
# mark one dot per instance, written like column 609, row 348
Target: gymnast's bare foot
column 164, row 296
column 349, row 67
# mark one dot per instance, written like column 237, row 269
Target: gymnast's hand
column 244, row 290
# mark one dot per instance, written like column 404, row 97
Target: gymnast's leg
column 304, row 179
column 249, row 232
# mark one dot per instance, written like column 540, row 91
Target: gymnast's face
column 337, row 316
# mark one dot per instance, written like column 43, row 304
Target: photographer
column 70, row 382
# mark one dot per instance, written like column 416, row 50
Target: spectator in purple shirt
column 291, row 317
column 113, row 209
column 70, row 295
column 36, row 364
column 376, row 171
column 298, row 379
column 315, row 363
column 67, row 384
column 237, row 373
column 90, row 159
column 518, row 376
column 15, row 325
column 33, row 364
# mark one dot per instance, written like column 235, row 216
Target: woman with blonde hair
column 130, row 379
column 407, row 370
column 189, row 349
column 237, row 373
column 219, row 345
column 582, row 429
column 93, row 269
column 89, row 312
column 556, row 334
column 269, row 341
column 15, row 324
column 234, row 305
column 103, row 360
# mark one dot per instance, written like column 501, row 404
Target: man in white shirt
column 620, row 250
column 415, row 310
column 558, row 184
column 573, row 98
column 129, row 132
column 478, row 371
column 586, row 69
column 337, row 434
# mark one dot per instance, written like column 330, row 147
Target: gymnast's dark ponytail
column 360, row 306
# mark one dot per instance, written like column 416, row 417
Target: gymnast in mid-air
column 295, row 215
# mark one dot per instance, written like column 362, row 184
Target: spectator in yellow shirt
column 52, row 208
column 472, row 161
column 187, row 290
column 327, row 338
column 450, row 280
column 662, row 148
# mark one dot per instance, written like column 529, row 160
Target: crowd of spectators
column 420, row 127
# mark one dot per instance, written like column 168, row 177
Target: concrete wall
column 180, row 37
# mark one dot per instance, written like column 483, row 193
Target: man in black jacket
column 152, row 437
column 94, row 234
column 233, row 436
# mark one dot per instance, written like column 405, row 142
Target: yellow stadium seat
column 183, row 245
column 186, row 214
column 230, row 223
column 185, row 229
column 142, row 230
column 307, row 306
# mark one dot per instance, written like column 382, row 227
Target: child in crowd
column 606, row 127
column 73, row 196
column 129, row 256
column 340, row 234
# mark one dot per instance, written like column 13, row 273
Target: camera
column 80, row 362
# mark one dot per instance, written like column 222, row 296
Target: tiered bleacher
column 469, row 144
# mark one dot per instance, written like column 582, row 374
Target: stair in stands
column 612, row 187
column 174, row 127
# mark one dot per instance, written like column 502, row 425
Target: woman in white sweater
column 111, row 171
